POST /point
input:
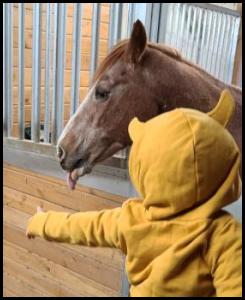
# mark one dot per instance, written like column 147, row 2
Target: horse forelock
column 116, row 53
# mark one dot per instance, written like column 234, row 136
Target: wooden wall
column 85, row 57
column 41, row 268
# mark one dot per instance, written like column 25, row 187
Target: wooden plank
column 28, row 204
column 84, row 80
column 28, row 112
column 85, row 49
column 56, row 193
column 15, row 127
column 85, row 60
column 87, row 10
column 39, row 281
column 84, row 77
column 14, row 231
column 7, row 292
column 77, row 283
column 86, row 25
column 28, row 95
column 13, row 286
column 19, row 176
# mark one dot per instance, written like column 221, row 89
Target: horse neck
column 179, row 83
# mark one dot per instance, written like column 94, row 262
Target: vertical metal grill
column 59, row 64
column 21, row 69
column 95, row 38
column 36, row 71
column 8, row 68
column 115, row 24
column 205, row 34
column 47, row 73
column 76, row 49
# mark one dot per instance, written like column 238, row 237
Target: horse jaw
column 87, row 167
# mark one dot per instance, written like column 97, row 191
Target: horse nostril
column 60, row 153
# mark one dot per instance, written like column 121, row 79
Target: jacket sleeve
column 225, row 259
column 86, row 228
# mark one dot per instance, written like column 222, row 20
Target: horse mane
column 119, row 51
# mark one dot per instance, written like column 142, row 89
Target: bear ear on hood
column 135, row 128
column 224, row 110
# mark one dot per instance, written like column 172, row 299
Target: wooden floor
column 41, row 268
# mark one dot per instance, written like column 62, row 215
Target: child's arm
column 225, row 259
column 86, row 228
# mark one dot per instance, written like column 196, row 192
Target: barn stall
column 51, row 52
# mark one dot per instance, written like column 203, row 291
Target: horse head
column 136, row 79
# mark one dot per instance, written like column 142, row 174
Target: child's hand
column 28, row 234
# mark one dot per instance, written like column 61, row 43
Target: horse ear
column 137, row 43
column 224, row 110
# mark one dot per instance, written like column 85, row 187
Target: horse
column 137, row 79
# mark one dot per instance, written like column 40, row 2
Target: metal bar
column 162, row 33
column 5, row 103
column 76, row 59
column 237, row 58
column 170, row 5
column 177, row 25
column 228, row 44
column 131, row 16
column 8, row 67
column 182, row 27
column 187, row 31
column 197, row 48
column 124, row 27
column 47, row 73
column 219, row 9
column 230, row 66
column 21, row 108
column 36, row 71
column 95, row 38
column 212, row 44
column 216, row 47
column 54, row 102
column 222, row 46
column 226, row 48
column 118, row 23
column 171, row 21
column 193, row 29
column 148, row 19
column 210, row 23
column 204, row 31
column 111, row 25
column 59, row 65
column 155, row 22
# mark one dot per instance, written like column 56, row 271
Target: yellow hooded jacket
column 177, row 239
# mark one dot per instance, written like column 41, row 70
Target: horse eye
column 101, row 95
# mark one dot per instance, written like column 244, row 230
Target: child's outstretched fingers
column 39, row 209
column 29, row 234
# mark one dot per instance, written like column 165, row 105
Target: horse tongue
column 71, row 182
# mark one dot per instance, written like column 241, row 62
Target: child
column 177, row 239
